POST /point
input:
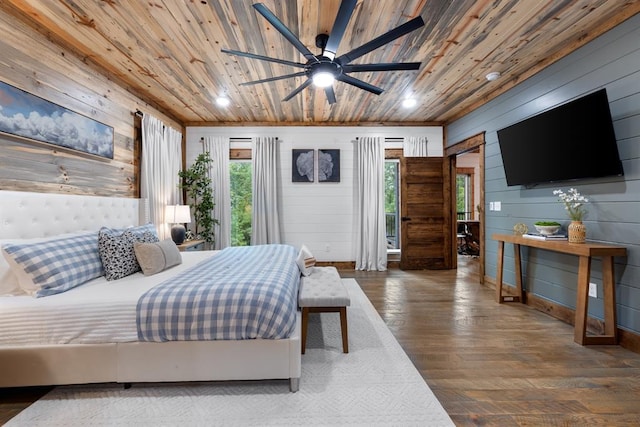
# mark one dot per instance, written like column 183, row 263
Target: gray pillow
column 156, row 257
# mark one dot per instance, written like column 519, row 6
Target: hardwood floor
column 14, row 400
column 495, row 364
column 488, row 364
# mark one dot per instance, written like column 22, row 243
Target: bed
column 91, row 350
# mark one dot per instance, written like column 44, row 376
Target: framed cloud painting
column 28, row 116
column 302, row 166
column 328, row 165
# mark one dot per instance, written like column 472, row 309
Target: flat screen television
column 572, row 141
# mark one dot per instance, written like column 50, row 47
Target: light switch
column 491, row 206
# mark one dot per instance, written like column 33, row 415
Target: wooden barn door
column 425, row 213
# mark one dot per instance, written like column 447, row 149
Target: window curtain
column 265, row 221
column 415, row 146
column 371, row 239
column 160, row 164
column 218, row 148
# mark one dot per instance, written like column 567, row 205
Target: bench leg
column 343, row 326
column 305, row 321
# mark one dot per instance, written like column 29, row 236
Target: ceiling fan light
column 223, row 101
column 323, row 79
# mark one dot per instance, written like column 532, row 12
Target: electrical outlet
column 497, row 206
column 327, row 248
column 593, row 290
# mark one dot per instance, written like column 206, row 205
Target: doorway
column 466, row 162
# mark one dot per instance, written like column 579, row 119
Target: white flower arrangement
column 573, row 203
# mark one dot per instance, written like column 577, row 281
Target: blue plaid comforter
column 241, row 293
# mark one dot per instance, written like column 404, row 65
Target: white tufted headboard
column 26, row 215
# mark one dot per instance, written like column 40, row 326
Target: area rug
column 375, row 384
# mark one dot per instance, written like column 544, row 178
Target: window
column 464, row 194
column 392, row 203
column 240, row 177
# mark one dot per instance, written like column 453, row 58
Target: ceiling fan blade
column 263, row 58
column 331, row 95
column 278, row 25
column 339, row 26
column 359, row 84
column 387, row 37
column 393, row 66
column 298, row 90
column 272, row 79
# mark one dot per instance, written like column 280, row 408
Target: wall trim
column 626, row 339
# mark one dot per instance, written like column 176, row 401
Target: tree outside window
column 241, row 202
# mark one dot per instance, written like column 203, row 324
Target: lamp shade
column 177, row 214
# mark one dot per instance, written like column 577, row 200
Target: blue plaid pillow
column 143, row 230
column 57, row 265
column 137, row 231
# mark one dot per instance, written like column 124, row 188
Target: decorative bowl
column 547, row 230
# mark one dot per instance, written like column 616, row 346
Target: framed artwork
column 28, row 116
column 328, row 165
column 302, row 166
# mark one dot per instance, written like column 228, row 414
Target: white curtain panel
column 161, row 162
column 371, row 239
column 218, row 148
column 415, row 146
column 265, row 221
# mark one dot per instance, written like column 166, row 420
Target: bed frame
column 30, row 215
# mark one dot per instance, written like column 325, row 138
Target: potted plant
column 574, row 204
column 547, row 228
column 197, row 186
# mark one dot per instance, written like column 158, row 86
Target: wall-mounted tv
column 572, row 141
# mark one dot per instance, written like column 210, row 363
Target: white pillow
column 8, row 280
column 305, row 261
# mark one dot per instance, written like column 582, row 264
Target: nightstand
column 191, row 245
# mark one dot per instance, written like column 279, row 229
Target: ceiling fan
column 323, row 69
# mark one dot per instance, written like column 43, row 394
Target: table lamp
column 177, row 215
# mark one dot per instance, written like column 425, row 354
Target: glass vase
column 577, row 232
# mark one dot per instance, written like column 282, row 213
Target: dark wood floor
column 495, row 364
column 488, row 364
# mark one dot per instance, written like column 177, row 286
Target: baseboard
column 340, row 265
column 351, row 265
column 626, row 339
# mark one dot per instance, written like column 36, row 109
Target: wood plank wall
column 29, row 61
column 611, row 61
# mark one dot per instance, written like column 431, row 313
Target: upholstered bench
column 322, row 292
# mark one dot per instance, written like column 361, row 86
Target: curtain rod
column 138, row 113
column 202, row 138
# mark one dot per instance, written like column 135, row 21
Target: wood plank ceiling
column 168, row 52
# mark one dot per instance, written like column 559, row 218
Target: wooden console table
column 586, row 251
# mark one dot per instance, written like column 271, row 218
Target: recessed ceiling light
column 493, row 76
column 409, row 103
column 223, row 101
